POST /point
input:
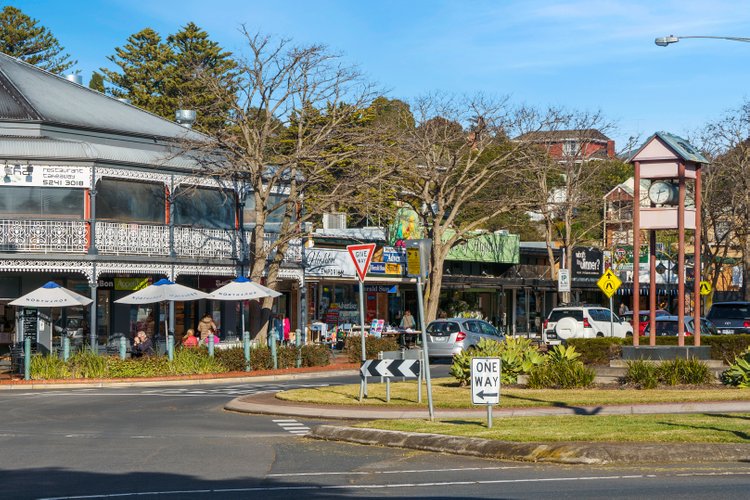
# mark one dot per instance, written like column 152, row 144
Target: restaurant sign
column 46, row 176
column 329, row 262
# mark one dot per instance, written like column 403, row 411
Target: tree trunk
column 745, row 266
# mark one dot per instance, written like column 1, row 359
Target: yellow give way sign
column 609, row 283
column 705, row 287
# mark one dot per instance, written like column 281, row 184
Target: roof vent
column 78, row 79
column 336, row 220
column 185, row 117
column 124, row 99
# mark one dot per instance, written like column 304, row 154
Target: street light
column 666, row 40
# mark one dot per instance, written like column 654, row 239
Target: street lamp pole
column 666, row 40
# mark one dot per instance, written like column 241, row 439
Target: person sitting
column 142, row 345
column 190, row 340
column 211, row 335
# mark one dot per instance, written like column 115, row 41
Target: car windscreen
column 729, row 311
column 442, row 327
column 558, row 314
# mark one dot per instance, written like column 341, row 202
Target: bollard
column 123, row 347
column 66, row 348
column 27, row 358
column 211, row 346
column 298, row 341
column 246, row 346
column 170, row 347
column 273, row 353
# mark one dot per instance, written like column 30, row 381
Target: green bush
column 373, row 345
column 87, row 364
column 518, row 356
column 46, row 367
column 738, row 374
column 679, row 371
column 561, row 373
column 316, row 355
column 195, row 361
column 560, row 353
column 599, row 351
column 642, row 374
column 726, row 347
column 147, row 366
column 232, row 359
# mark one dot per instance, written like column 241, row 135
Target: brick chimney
column 610, row 149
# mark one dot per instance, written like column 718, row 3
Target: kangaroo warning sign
column 485, row 381
column 361, row 256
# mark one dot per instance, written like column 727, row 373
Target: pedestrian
column 623, row 308
column 208, row 338
column 190, row 340
column 142, row 345
column 206, row 325
column 287, row 329
column 407, row 322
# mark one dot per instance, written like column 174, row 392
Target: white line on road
column 413, row 471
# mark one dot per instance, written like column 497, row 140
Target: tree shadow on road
column 575, row 410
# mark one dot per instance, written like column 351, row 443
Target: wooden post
column 636, row 249
column 652, row 289
column 681, row 257
column 697, row 259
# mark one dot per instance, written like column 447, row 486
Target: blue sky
column 582, row 54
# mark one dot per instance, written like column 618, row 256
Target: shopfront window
column 128, row 201
column 202, row 207
column 275, row 216
column 41, row 203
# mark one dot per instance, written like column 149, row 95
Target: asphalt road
column 178, row 442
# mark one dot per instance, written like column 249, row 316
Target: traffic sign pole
column 611, row 318
column 361, row 256
column 427, row 377
column 363, row 381
column 489, row 416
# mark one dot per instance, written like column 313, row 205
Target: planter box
column 665, row 352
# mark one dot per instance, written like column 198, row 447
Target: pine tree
column 201, row 73
column 22, row 37
column 144, row 64
column 97, row 82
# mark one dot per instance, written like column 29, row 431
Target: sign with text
column 588, row 264
column 46, row 176
column 329, row 262
column 485, row 381
column 361, row 256
column 563, row 280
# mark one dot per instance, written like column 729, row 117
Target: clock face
column 661, row 193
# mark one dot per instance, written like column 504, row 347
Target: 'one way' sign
column 485, row 381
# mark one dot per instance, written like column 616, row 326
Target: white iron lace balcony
column 43, row 236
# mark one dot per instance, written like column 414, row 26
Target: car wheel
column 600, row 334
column 628, row 334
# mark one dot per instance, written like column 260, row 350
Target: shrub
column 232, row 359
column 599, row 351
column 684, row 372
column 642, row 374
column 87, row 364
column 373, row 345
column 46, row 367
column 518, row 356
column 738, row 374
column 195, row 361
column 561, row 373
column 561, row 353
column 316, row 355
column 148, row 366
column 726, row 347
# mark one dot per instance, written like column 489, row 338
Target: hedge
column 600, row 351
column 373, row 345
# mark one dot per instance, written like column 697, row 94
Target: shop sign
column 213, row 282
column 588, row 264
column 132, row 284
column 501, row 248
column 46, row 176
column 377, row 267
column 329, row 262
column 381, row 288
column 30, row 322
column 105, row 284
column 393, row 255
column 385, row 268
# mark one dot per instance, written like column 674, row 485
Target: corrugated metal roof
column 30, row 93
column 57, row 149
column 680, row 146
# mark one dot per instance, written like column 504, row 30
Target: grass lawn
column 447, row 394
column 725, row 428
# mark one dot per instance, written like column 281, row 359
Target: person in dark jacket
column 142, row 345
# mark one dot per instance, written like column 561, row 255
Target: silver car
column 448, row 337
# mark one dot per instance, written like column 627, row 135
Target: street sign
column 418, row 257
column 361, row 256
column 609, row 283
column 705, row 288
column 485, row 381
column 563, row 280
column 390, row 368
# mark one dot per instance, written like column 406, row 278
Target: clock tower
column 670, row 163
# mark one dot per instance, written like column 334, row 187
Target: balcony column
column 92, row 313
column 92, row 213
column 170, row 217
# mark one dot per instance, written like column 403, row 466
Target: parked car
column 448, row 337
column 666, row 326
column 730, row 317
column 578, row 322
column 643, row 318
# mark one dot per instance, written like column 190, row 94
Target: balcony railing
column 209, row 243
column 43, row 236
column 293, row 252
column 119, row 238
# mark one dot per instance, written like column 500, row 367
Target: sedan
column 448, row 337
column 643, row 318
column 666, row 326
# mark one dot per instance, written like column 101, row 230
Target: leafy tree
column 21, row 36
column 143, row 64
column 97, row 82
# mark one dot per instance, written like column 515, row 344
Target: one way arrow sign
column 390, row 368
column 485, row 381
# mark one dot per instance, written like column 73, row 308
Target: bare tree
column 293, row 143
column 459, row 169
column 726, row 192
column 568, row 177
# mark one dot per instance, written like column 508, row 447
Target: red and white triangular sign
column 361, row 256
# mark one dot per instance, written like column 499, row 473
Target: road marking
column 292, row 426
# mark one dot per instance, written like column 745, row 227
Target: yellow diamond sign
column 609, row 283
column 705, row 287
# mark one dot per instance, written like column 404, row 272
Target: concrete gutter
column 565, row 453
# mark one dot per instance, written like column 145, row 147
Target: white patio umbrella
column 243, row 289
column 51, row 295
column 163, row 291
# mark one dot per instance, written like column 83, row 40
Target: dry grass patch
column 447, row 394
column 702, row 428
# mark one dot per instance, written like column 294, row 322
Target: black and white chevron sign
column 390, row 368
